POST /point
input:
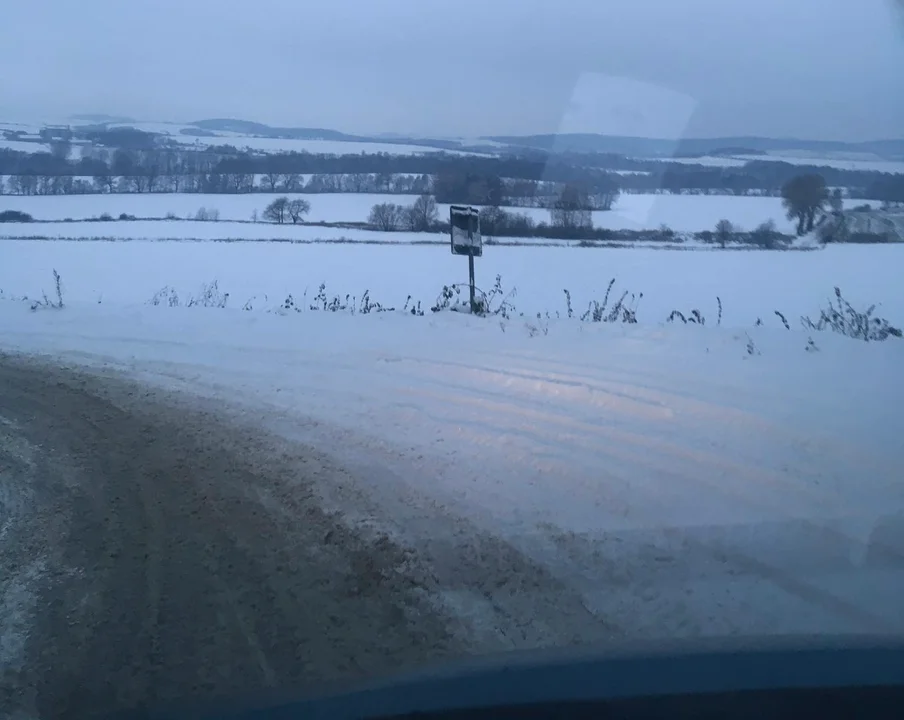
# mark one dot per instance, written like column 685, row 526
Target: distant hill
column 566, row 143
column 653, row 147
column 247, row 127
column 100, row 118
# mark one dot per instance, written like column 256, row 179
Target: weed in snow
column 165, row 296
column 209, row 297
column 695, row 317
column 623, row 311
column 751, row 346
column 495, row 302
column 841, row 317
column 46, row 303
column 414, row 308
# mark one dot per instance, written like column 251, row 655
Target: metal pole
column 471, row 260
column 471, row 278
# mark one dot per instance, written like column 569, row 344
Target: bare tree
column 297, row 209
column 422, row 215
column 572, row 210
column 724, row 230
column 47, row 185
column 104, row 182
column 386, row 216
column 271, row 180
column 137, row 183
column 383, row 181
column 22, row 184
column 276, row 211
column 290, row 181
column 60, row 149
column 836, row 201
column 239, row 182
column 147, row 170
column 360, row 182
column 803, row 196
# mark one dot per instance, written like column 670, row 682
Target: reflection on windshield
column 330, row 349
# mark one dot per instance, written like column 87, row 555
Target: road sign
column 465, row 223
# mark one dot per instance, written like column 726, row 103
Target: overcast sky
column 820, row 69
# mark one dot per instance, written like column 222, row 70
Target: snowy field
column 194, row 230
column 23, row 146
column 840, row 162
column 751, row 284
column 685, row 213
column 706, row 160
column 682, row 213
column 325, row 207
column 668, row 482
column 331, row 147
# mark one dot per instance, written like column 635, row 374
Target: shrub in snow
column 841, row 317
column 665, row 232
column 126, row 216
column 495, row 302
column 767, row 236
column 209, row 297
column 207, row 214
column 11, row 216
column 165, row 296
column 105, row 217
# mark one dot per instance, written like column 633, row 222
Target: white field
column 877, row 164
column 706, row 160
column 194, row 230
column 667, row 482
column 325, row 207
column 751, row 284
column 682, row 213
column 22, row 146
column 332, row 147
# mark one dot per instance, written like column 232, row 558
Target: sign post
column 465, row 223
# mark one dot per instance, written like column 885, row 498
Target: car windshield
column 343, row 339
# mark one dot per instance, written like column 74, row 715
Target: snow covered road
column 148, row 555
column 562, row 482
column 670, row 480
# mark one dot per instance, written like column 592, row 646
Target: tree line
column 460, row 178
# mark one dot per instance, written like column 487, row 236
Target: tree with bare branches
column 277, row 210
column 296, row 209
column 724, row 229
column 386, row 216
